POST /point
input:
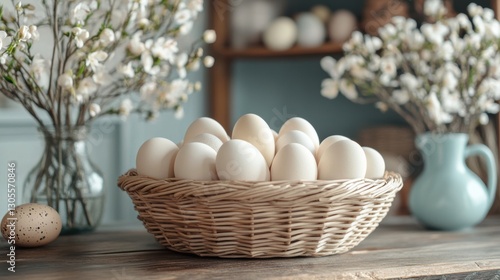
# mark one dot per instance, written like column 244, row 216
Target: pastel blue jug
column 448, row 195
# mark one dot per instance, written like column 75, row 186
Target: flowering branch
column 441, row 77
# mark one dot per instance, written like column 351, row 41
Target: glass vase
column 67, row 180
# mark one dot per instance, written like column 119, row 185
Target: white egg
column 294, row 162
column 326, row 143
column 281, row 34
column 344, row 159
column 208, row 139
column 302, row 125
column 206, row 125
column 310, row 30
column 342, row 24
column 295, row 136
column 375, row 164
column 195, row 161
column 239, row 160
column 255, row 131
column 156, row 157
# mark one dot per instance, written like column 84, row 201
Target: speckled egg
column 32, row 224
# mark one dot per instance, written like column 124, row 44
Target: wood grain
column 399, row 248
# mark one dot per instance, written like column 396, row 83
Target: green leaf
column 9, row 79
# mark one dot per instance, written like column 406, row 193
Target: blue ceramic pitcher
column 448, row 195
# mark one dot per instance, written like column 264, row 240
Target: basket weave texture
column 235, row 219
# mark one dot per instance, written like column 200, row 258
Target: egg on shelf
column 322, row 12
column 257, row 132
column 31, row 225
column 341, row 25
column 310, row 30
column 281, row 34
column 294, row 162
column 156, row 158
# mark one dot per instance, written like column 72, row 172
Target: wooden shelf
column 261, row 51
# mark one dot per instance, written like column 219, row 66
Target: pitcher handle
column 484, row 152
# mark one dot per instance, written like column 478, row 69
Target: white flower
column 208, row 61
column 24, row 33
column 435, row 110
column 126, row 107
column 94, row 109
column 33, row 30
column 81, row 36
column 101, row 76
column 348, row 89
column 126, row 70
column 401, row 96
column 194, row 6
column 182, row 16
column 450, row 82
column 484, row 119
column 179, row 112
column 86, row 87
column 433, row 8
column 165, row 49
column 65, row 81
column 209, row 36
column 474, row 9
column 435, row 33
column 409, row 81
column 147, row 63
column 186, row 28
column 388, row 66
column 107, row 37
column 3, row 36
column 80, row 13
column 147, row 90
column 135, row 46
column 330, row 88
column 94, row 59
column 3, row 59
column 479, row 25
column 39, row 71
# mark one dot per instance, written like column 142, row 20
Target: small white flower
column 479, row 25
column 388, row 66
column 80, row 13
column 179, row 112
column 484, row 119
column 401, row 96
column 65, row 81
column 433, row 8
column 208, row 61
column 39, row 71
column 126, row 70
column 107, row 37
column 182, row 16
column 86, row 87
column 135, row 46
column 474, row 9
column 33, row 30
column 24, row 33
column 148, row 90
column 194, row 6
column 3, row 59
column 147, row 63
column 81, row 36
column 3, row 37
column 186, row 28
column 126, row 107
column 101, row 76
column 209, row 36
column 197, row 86
column 94, row 109
column 348, row 89
column 165, row 49
column 94, row 59
column 330, row 88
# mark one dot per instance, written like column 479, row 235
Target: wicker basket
column 260, row 219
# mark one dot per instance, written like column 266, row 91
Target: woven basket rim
column 131, row 181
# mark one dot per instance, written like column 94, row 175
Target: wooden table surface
column 399, row 248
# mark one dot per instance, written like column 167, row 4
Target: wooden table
column 399, row 248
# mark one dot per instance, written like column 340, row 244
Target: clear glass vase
column 66, row 179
